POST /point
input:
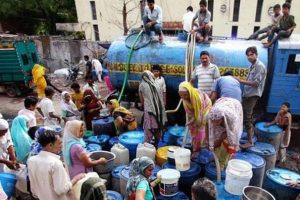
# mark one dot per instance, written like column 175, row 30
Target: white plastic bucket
column 169, row 182
column 238, row 175
column 182, row 159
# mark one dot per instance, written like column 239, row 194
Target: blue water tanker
column 271, row 134
column 282, row 82
column 276, row 183
column 258, row 166
column 130, row 140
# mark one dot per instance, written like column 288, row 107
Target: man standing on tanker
column 253, row 89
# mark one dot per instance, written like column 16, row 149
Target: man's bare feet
column 247, row 145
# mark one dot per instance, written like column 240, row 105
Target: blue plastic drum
column 104, row 125
column 130, row 140
column 164, row 141
column 116, row 177
column 211, row 172
column 188, row 144
column 276, row 180
column 101, row 140
column 93, row 147
column 270, row 135
column 244, row 138
column 266, row 151
column 258, row 167
column 8, row 183
column 178, row 196
column 223, row 194
column 205, row 157
column 112, row 141
column 175, row 133
column 112, row 195
column 187, row 178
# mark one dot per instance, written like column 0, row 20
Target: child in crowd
column 46, row 109
column 204, row 189
column 77, row 95
column 284, row 120
column 159, row 79
column 30, row 104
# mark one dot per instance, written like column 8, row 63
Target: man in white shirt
column 46, row 109
column 98, row 68
column 30, row 104
column 275, row 17
column 187, row 19
column 48, row 177
column 206, row 73
column 152, row 19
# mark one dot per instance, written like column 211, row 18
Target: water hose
column 128, row 64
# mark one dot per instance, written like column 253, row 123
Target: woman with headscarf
column 68, row 108
column 38, row 73
column 74, row 152
column 124, row 119
column 7, row 151
column 91, row 108
column 20, row 137
column 225, row 128
column 151, row 97
column 138, row 185
column 197, row 106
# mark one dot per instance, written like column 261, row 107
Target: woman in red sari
column 91, row 109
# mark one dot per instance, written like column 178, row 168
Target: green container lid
column 88, row 133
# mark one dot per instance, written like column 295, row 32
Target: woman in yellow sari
column 124, row 119
column 197, row 106
column 38, row 73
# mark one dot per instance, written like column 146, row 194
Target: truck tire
column 11, row 91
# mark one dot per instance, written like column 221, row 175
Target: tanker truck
column 282, row 61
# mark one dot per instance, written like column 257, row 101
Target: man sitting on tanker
column 152, row 19
column 203, row 15
column 275, row 17
column 286, row 26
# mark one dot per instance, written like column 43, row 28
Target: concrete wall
column 54, row 50
column 109, row 17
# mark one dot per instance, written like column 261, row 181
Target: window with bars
column 258, row 10
column 96, row 32
column 236, row 10
column 93, row 8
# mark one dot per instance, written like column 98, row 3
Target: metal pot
column 256, row 193
column 110, row 157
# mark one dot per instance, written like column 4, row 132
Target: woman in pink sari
column 197, row 105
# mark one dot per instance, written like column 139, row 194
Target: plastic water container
column 187, row 178
column 124, row 176
column 188, row 144
column 116, row 178
column 175, row 133
column 112, row 141
column 266, row 151
column 238, row 175
column 244, row 138
column 112, row 195
column 182, row 159
column 205, row 157
column 178, row 196
column 169, row 182
column 93, row 147
column 146, row 149
column 8, row 183
column 131, row 140
column 164, row 140
column 122, row 154
column 276, row 180
column 270, row 135
column 251, row 192
column 222, row 194
column 101, row 140
column 211, row 172
column 104, row 125
column 258, row 167
column 21, row 176
column 171, row 158
column 162, row 155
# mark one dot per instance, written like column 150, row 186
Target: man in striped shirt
column 206, row 73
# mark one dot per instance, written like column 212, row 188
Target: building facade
column 103, row 19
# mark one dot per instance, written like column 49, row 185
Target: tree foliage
column 40, row 14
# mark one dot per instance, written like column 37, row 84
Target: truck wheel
column 11, row 91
